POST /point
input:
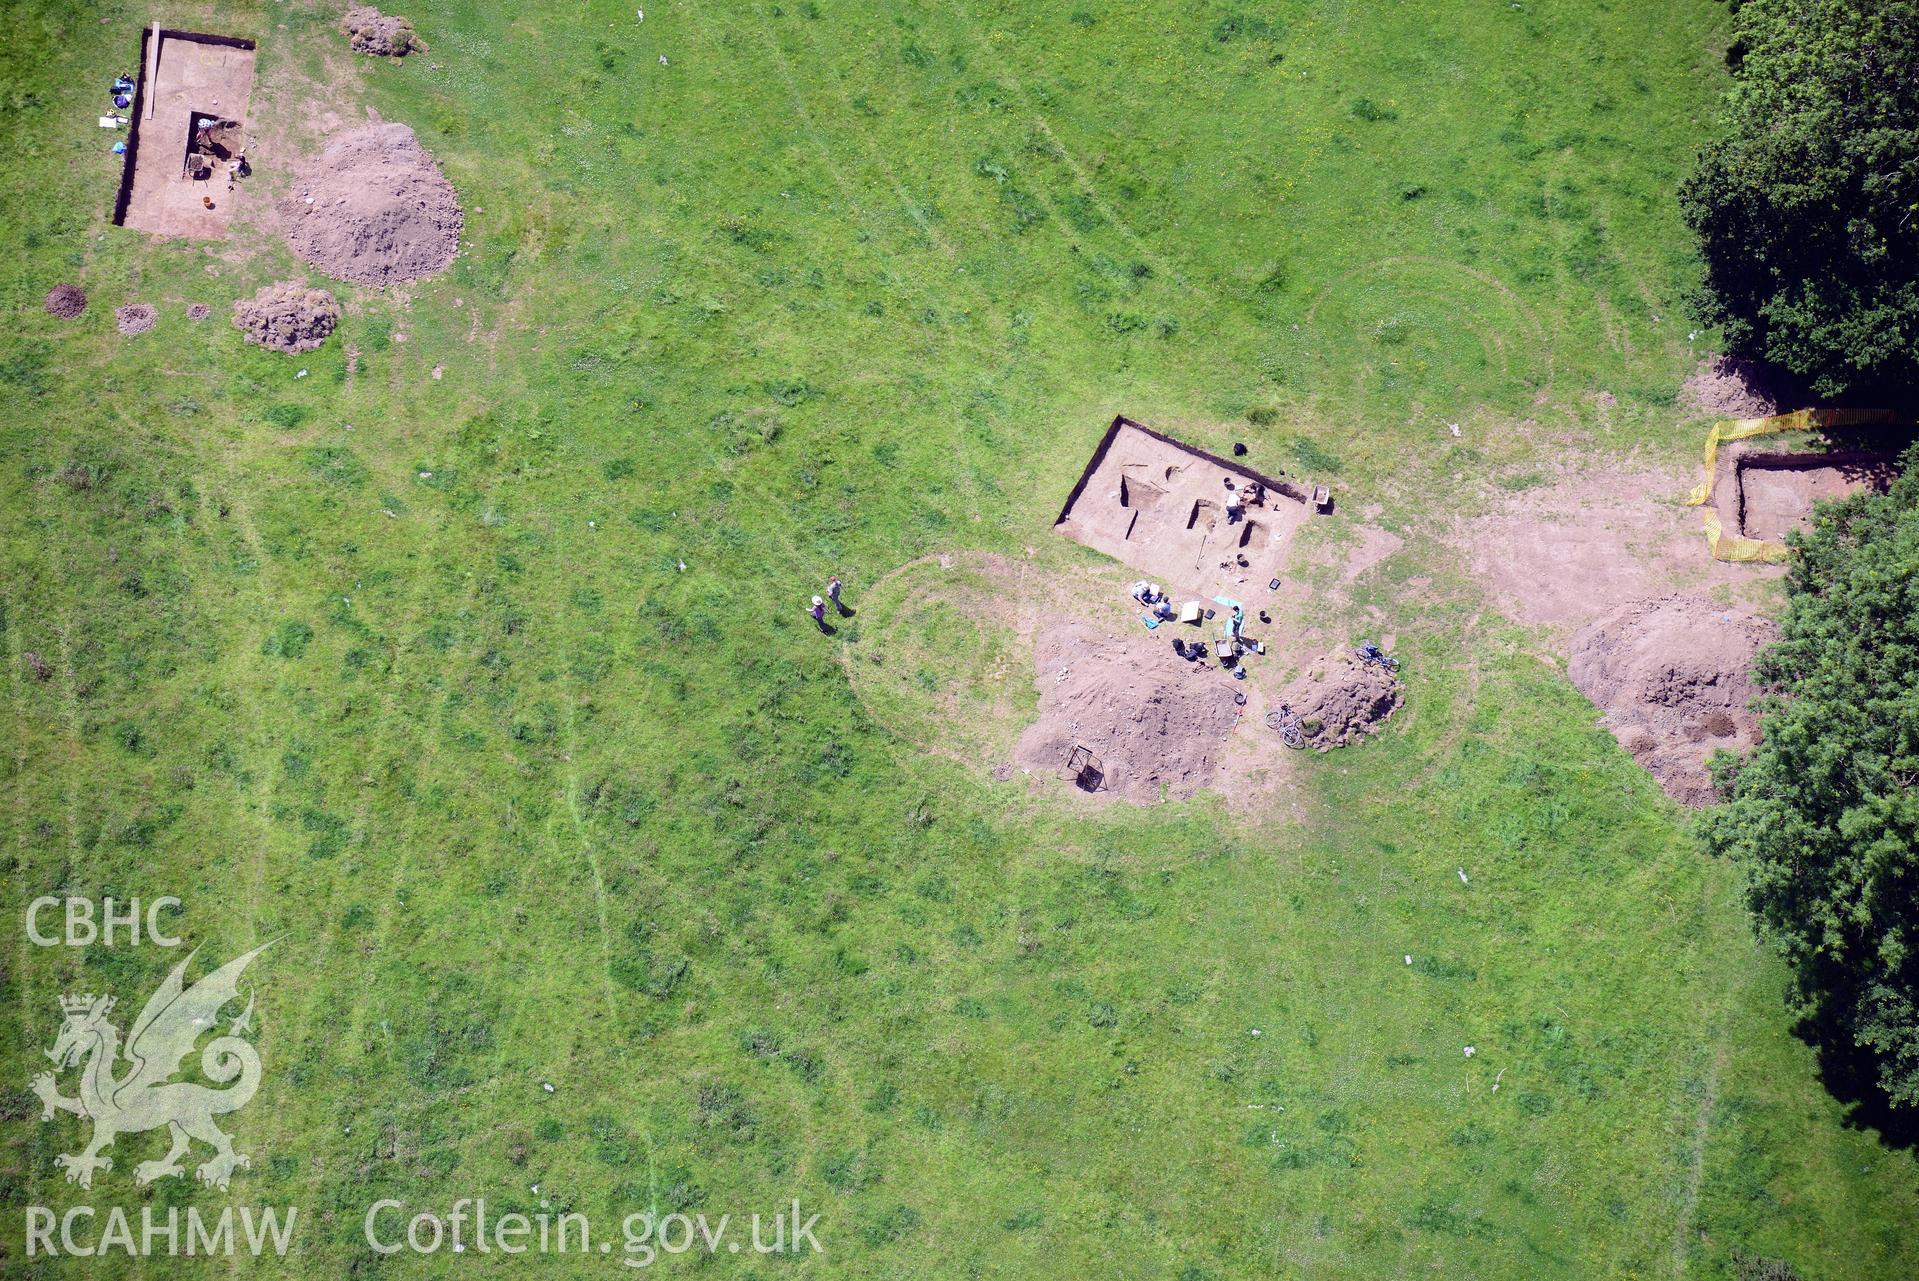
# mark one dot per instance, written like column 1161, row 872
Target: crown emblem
column 82, row 1003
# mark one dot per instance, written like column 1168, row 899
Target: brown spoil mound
column 135, row 317
column 374, row 208
column 1340, row 700
column 287, row 316
column 198, row 311
column 1734, row 387
column 376, row 35
column 66, row 301
column 1673, row 676
column 1155, row 723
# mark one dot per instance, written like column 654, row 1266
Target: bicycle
column 1371, row 653
column 1285, row 722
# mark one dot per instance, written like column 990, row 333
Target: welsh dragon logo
column 141, row 1096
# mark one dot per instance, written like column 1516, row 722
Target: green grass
column 842, row 286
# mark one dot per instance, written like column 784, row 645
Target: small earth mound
column 374, row 208
column 198, row 311
column 1153, row 724
column 1673, row 676
column 135, row 318
column 372, row 33
column 1340, row 700
column 287, row 316
column 1734, row 387
column 66, row 301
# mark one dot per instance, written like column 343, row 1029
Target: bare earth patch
column 287, row 316
column 373, row 208
column 1673, row 676
column 1590, row 543
column 378, row 35
column 961, row 654
column 1734, row 387
column 1340, row 700
column 135, row 318
column 66, row 301
column 1157, row 727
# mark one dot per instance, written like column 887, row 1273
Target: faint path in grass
column 818, row 139
column 969, row 485
column 236, row 508
column 25, row 988
column 1081, row 178
column 572, row 794
column 1541, row 337
column 1720, row 1030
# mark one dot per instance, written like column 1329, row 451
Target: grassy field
column 404, row 669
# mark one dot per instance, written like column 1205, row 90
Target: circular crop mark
column 1404, row 330
column 944, row 658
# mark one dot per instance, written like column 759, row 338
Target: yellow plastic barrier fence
column 1737, row 547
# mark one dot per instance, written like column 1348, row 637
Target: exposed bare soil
column 1673, row 676
column 373, row 208
column 1157, row 726
column 378, row 35
column 66, row 301
column 287, row 316
column 1340, row 700
column 135, row 318
column 1589, row 543
column 1734, row 387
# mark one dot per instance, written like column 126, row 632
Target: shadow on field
column 1850, row 1074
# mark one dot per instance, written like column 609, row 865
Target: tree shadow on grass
column 1850, row 1073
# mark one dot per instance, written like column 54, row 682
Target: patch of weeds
column 289, row 640
column 336, row 465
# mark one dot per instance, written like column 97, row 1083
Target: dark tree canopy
column 1824, row 813
column 1807, row 205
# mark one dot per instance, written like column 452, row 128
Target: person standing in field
column 817, row 612
column 833, row 594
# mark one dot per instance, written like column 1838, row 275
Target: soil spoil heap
column 1340, row 700
column 135, row 318
column 374, row 208
column 378, row 36
column 66, row 301
column 287, row 316
column 1156, row 725
column 1673, row 677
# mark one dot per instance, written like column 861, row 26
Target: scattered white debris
column 592, row 524
column 682, row 567
column 662, row 60
column 1462, row 877
column 301, row 374
column 426, row 475
column 1409, row 960
column 548, row 1087
column 1455, row 427
column 1257, row 1032
column 1470, row 1051
column 1502, row 1072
